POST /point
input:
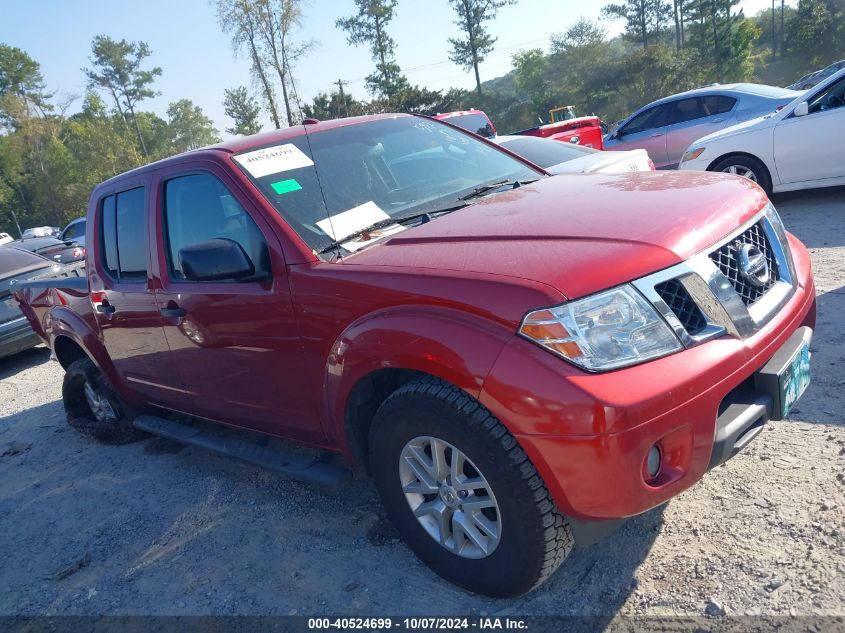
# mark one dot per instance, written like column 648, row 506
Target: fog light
column 652, row 462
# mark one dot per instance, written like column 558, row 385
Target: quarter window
column 198, row 208
column 124, row 243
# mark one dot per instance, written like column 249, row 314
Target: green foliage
column 645, row 20
column 368, row 27
column 531, row 68
column 20, row 76
column 189, row 127
column 243, row 109
column 817, row 31
column 476, row 42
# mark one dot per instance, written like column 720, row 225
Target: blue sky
column 198, row 62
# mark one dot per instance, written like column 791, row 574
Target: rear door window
column 717, row 104
column 124, row 237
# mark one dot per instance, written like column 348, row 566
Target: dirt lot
column 152, row 528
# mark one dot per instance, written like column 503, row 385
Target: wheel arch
column 377, row 355
column 771, row 171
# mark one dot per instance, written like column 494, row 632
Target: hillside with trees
column 50, row 159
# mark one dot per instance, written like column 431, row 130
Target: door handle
column 105, row 308
column 656, row 135
column 718, row 121
column 173, row 312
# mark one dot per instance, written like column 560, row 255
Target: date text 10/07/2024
column 417, row 623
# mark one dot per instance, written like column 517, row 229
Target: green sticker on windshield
column 286, row 186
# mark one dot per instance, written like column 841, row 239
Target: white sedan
column 800, row 147
column 557, row 157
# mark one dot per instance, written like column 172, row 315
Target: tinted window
column 687, row 110
column 198, row 208
column 718, row 104
column 109, row 237
column 74, row 231
column 475, row 123
column 544, row 152
column 833, row 97
column 131, row 234
column 648, row 120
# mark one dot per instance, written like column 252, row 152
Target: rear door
column 235, row 343
column 123, row 296
column 647, row 131
column 694, row 118
column 810, row 148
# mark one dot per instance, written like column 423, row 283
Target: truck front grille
column 726, row 259
column 682, row 305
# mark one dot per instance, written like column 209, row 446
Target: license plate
column 794, row 379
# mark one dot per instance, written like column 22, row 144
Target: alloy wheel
column 450, row 497
column 741, row 170
column 99, row 404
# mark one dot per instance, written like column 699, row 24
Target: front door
column 647, row 131
column 810, row 147
column 123, row 297
column 235, row 342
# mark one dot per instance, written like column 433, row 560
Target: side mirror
column 803, row 109
column 215, row 260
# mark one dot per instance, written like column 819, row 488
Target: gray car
column 665, row 128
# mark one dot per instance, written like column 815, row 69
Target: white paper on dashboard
column 355, row 219
column 375, row 236
column 272, row 160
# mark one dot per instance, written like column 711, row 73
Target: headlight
column 608, row 330
column 693, row 154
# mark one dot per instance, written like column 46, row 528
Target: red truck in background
column 564, row 126
column 518, row 360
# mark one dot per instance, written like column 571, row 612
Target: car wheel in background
column 747, row 167
column 462, row 493
column 93, row 408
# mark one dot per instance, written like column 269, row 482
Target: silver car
column 665, row 128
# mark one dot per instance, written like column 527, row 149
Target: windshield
column 328, row 184
column 545, row 152
column 475, row 123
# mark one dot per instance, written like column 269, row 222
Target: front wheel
column 747, row 167
column 463, row 495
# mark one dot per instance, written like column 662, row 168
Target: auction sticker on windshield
column 355, row 219
column 272, row 160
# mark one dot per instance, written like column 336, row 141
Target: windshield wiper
column 399, row 219
column 482, row 190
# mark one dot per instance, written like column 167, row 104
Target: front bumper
column 588, row 435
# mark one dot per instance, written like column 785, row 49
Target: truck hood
column 577, row 233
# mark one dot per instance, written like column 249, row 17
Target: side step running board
column 290, row 464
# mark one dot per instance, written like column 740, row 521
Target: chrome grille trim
column 725, row 311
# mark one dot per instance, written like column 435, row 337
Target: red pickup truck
column 517, row 359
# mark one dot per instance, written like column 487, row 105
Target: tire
column 746, row 166
column 112, row 423
column 533, row 536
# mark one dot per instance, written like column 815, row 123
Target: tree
column 116, row 69
column 189, row 127
column 20, row 76
column 531, row 68
column 239, row 17
column 816, row 31
column 368, row 26
column 470, row 50
column 276, row 19
column 645, row 20
column 238, row 105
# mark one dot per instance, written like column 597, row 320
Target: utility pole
column 340, row 84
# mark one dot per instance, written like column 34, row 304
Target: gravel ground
column 153, row 528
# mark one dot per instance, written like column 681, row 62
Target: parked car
column 665, row 128
column 566, row 158
column 811, row 80
column 800, row 147
column 16, row 334
column 51, row 248
column 520, row 361
column 75, row 232
column 5, row 238
column 41, row 231
column 566, row 127
column 475, row 121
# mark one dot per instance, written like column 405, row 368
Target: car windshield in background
column 475, row 123
column 545, row 152
column 328, row 184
